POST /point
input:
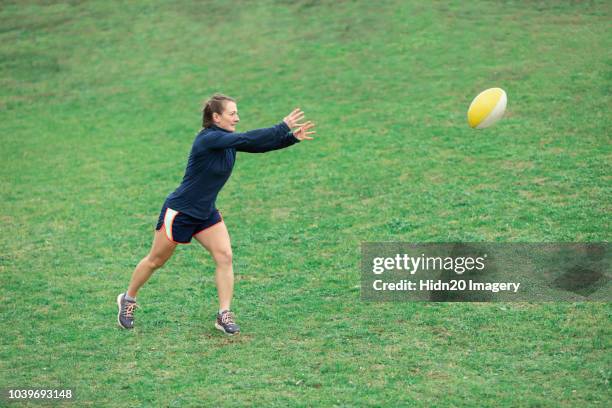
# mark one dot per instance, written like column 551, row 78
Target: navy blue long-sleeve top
column 212, row 159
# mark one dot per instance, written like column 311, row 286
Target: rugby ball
column 487, row 108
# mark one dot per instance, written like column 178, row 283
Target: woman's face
column 229, row 118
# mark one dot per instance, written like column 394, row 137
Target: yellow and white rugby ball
column 487, row 108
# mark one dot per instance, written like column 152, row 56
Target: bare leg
column 161, row 251
column 217, row 241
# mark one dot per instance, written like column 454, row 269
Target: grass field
column 99, row 103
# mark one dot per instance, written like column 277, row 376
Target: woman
column 190, row 210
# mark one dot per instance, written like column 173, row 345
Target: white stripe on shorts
column 168, row 220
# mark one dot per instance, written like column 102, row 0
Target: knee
column 154, row 262
column 223, row 257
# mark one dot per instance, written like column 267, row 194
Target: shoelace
column 129, row 310
column 227, row 318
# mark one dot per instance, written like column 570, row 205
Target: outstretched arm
column 262, row 140
column 281, row 142
column 252, row 139
column 303, row 132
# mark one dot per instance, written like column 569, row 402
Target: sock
column 128, row 297
column 222, row 310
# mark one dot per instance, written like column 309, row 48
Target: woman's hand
column 303, row 132
column 293, row 118
column 292, row 121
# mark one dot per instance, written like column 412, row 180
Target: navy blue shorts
column 180, row 227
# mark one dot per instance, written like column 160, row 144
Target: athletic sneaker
column 125, row 317
column 225, row 323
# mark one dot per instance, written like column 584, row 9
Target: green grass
column 99, row 104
